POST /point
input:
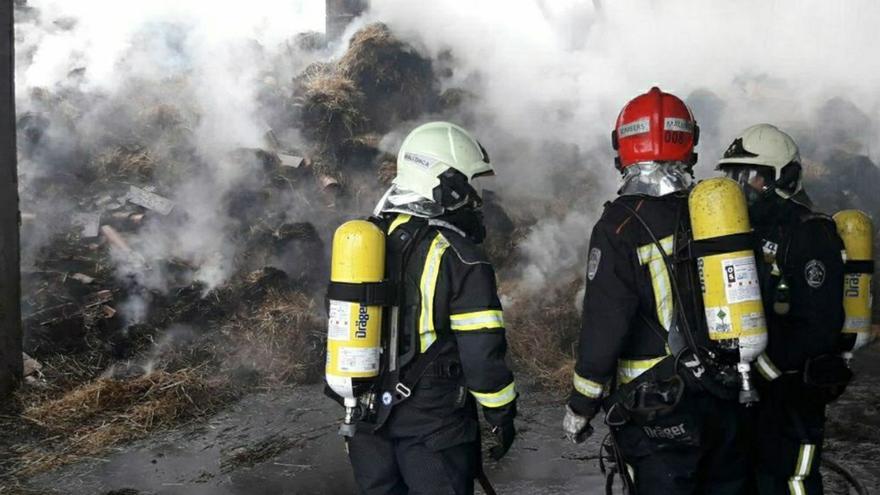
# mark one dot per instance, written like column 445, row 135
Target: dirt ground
column 284, row 441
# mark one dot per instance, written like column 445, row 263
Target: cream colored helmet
column 763, row 151
column 438, row 160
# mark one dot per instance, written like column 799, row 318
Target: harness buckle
column 403, row 390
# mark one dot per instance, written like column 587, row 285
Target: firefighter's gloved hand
column 576, row 427
column 504, row 435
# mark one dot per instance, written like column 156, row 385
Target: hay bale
column 542, row 334
column 331, row 109
column 281, row 338
column 398, row 82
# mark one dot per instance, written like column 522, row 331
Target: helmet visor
column 752, row 179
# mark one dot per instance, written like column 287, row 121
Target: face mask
column 753, row 181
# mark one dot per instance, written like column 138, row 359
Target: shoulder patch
column 814, row 273
column 593, row 263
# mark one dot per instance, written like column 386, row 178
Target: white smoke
column 549, row 78
column 551, row 74
column 205, row 58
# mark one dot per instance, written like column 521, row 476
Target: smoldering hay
column 546, row 80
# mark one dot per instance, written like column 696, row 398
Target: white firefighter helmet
column 438, row 161
column 764, row 153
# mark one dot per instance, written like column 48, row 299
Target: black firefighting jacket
column 449, row 299
column 628, row 303
column 802, row 272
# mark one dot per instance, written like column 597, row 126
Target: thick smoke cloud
column 103, row 73
column 546, row 79
column 553, row 74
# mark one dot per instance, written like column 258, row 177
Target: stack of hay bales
column 345, row 107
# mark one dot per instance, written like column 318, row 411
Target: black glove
column 504, row 435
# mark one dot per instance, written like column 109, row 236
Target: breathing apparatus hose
column 688, row 333
column 845, row 474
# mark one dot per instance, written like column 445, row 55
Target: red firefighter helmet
column 655, row 127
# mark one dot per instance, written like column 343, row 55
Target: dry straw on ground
column 91, row 417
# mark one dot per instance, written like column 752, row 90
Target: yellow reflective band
column 805, row 461
column 652, row 257
column 766, row 368
column 400, row 220
column 796, row 487
column 649, row 252
column 629, row 369
column 477, row 320
column 428, row 286
column 588, row 388
column 497, row 399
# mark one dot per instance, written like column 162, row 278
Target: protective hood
column 656, row 179
column 397, row 200
column 468, row 222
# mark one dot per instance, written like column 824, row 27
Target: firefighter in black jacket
column 450, row 354
column 640, row 318
column 802, row 283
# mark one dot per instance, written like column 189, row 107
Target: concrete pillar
column 10, row 276
column 339, row 14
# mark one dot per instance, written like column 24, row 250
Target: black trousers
column 696, row 449
column 397, row 466
column 788, row 433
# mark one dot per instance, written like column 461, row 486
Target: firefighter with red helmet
column 672, row 416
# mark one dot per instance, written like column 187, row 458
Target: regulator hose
column 843, row 472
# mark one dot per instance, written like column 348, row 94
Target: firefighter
column 802, row 280
column 449, row 344
column 638, row 351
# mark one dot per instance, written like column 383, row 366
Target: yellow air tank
column 728, row 273
column 857, row 232
column 354, row 323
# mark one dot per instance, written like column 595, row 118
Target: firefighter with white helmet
column 802, row 281
column 642, row 353
column 414, row 429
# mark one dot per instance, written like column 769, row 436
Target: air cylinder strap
column 859, row 266
column 366, row 293
column 725, row 244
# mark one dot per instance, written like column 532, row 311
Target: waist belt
column 619, row 405
column 442, row 369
